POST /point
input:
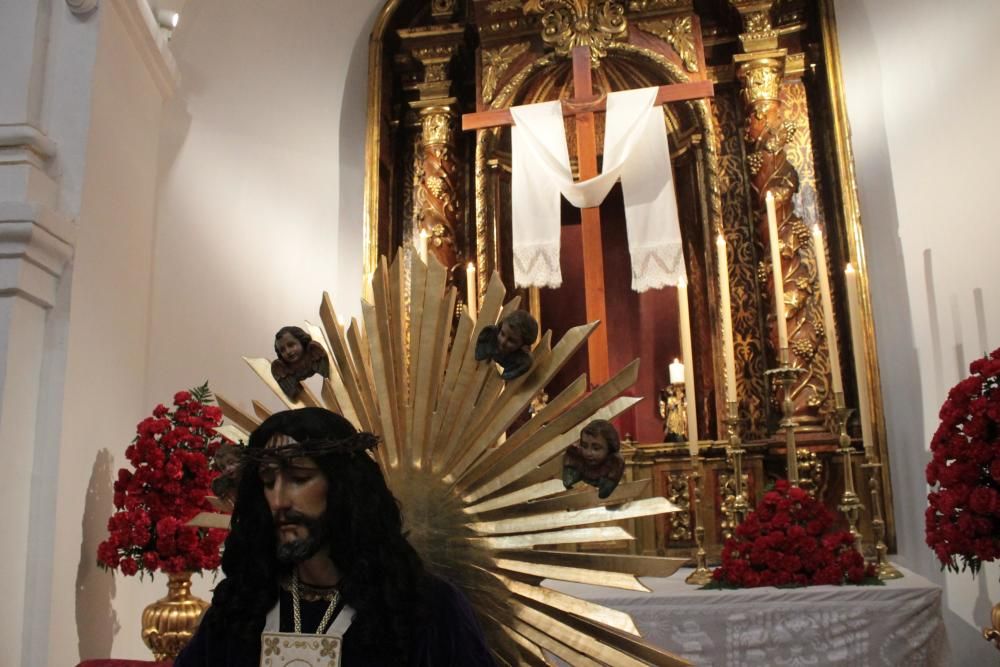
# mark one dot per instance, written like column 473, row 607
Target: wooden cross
column 582, row 107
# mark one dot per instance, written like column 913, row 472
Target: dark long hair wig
column 382, row 576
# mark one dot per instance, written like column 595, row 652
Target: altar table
column 896, row 624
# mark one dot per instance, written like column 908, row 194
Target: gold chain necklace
column 297, row 613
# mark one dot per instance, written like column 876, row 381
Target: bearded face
column 296, row 493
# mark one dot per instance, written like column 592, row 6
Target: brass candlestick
column 701, row 575
column 740, row 506
column 883, row 568
column 785, row 376
column 850, row 503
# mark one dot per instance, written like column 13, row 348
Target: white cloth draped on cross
column 635, row 150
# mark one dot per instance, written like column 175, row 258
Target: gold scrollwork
column 679, row 34
column 495, row 63
column 567, row 24
column 679, row 493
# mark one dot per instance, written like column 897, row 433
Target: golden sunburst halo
column 485, row 508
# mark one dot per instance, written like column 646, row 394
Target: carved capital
column 761, row 76
column 436, row 125
column 567, row 24
column 80, row 7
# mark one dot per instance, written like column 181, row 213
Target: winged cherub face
column 289, row 348
column 594, row 449
column 508, row 339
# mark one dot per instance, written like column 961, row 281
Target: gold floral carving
column 679, row 34
column 495, row 63
column 500, row 6
column 679, row 493
column 761, row 80
column 757, row 23
column 740, row 235
column 567, row 24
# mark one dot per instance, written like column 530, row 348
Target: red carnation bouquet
column 167, row 487
column 785, row 542
column 963, row 513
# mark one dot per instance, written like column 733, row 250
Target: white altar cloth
column 896, row 624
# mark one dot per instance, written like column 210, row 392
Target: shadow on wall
column 353, row 130
column 96, row 620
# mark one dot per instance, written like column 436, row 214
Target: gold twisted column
column 437, row 202
column 761, row 69
column 437, row 199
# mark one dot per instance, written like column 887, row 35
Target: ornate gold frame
column 846, row 212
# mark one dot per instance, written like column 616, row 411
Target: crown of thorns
column 359, row 442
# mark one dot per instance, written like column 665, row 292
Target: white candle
column 779, row 281
column 471, row 296
column 828, row 322
column 677, row 372
column 860, row 367
column 689, row 396
column 728, row 349
column 422, row 245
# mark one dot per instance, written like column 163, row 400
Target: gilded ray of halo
column 479, row 512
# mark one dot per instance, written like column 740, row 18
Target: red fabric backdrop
column 639, row 325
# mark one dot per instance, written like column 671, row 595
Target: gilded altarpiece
column 775, row 124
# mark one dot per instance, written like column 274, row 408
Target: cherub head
column 517, row 331
column 291, row 343
column 598, row 440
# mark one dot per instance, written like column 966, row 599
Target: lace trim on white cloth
column 657, row 266
column 537, row 265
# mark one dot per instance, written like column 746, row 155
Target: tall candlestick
column 422, row 245
column 689, row 396
column 860, row 367
column 728, row 350
column 779, row 281
column 828, row 322
column 471, row 295
column 677, row 372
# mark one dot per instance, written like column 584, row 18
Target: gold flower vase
column 169, row 623
column 993, row 634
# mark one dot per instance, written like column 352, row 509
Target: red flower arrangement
column 963, row 513
column 785, row 542
column 170, row 456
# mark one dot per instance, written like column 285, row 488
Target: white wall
column 260, row 199
column 107, row 289
column 261, row 184
column 921, row 92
